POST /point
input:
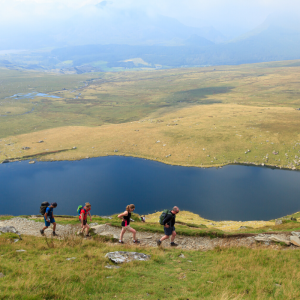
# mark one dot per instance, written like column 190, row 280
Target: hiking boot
column 136, row 242
column 158, row 243
column 121, row 242
column 42, row 232
column 54, row 234
column 174, row 244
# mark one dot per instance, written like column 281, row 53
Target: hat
column 54, row 204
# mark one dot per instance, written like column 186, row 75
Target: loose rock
column 11, row 229
column 112, row 267
column 124, row 256
column 295, row 240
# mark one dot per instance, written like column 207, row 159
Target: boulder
column 295, row 240
column 293, row 219
column 278, row 239
column 11, row 229
column 119, row 257
column 104, row 230
column 278, row 222
column 262, row 238
column 295, row 233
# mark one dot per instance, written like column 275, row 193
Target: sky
column 230, row 17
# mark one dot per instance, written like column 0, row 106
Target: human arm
column 167, row 220
column 90, row 216
column 125, row 213
column 46, row 214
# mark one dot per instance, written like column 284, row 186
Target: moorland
column 204, row 117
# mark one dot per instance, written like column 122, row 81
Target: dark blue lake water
column 110, row 183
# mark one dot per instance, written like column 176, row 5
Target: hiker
column 83, row 218
column 49, row 218
column 125, row 216
column 169, row 228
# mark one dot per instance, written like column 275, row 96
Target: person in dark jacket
column 169, row 227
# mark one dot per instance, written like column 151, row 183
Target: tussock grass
column 43, row 272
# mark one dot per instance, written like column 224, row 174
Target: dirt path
column 29, row 227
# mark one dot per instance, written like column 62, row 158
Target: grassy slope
column 42, row 272
column 226, row 111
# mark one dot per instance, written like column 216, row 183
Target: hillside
column 68, row 266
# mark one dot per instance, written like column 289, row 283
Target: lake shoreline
column 37, row 158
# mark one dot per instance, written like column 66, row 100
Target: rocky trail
column 148, row 239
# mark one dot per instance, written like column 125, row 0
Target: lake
column 238, row 193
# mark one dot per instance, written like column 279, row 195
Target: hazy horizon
column 70, row 22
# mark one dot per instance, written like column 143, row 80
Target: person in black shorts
column 169, row 227
column 125, row 216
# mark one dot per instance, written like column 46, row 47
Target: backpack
column 43, row 207
column 79, row 208
column 163, row 216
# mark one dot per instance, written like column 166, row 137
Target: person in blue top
column 49, row 218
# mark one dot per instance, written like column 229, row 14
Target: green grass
column 42, row 272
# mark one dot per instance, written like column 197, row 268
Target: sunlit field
column 197, row 117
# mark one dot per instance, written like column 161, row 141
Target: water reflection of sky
column 32, row 96
column 110, row 183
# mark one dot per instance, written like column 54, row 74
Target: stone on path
column 71, row 258
column 295, row 233
column 148, row 237
column 181, row 255
column 119, row 257
column 262, row 238
column 104, row 230
column 93, row 224
column 279, row 240
column 295, row 240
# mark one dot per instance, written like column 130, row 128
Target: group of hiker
column 167, row 219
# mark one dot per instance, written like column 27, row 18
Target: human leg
column 87, row 228
column 133, row 233
column 122, row 233
column 173, row 236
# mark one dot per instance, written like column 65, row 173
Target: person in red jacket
column 83, row 218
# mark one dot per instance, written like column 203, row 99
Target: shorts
column 48, row 223
column 168, row 231
column 84, row 222
column 126, row 227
